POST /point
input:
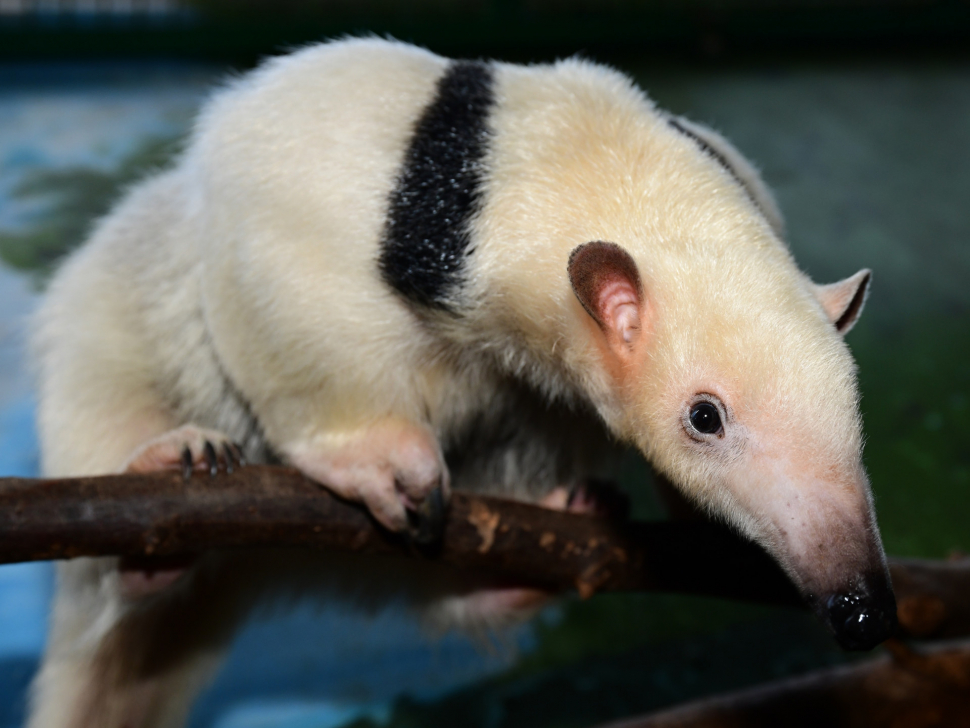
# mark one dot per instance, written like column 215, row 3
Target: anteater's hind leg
column 132, row 642
column 139, row 665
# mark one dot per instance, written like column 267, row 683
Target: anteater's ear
column 843, row 301
column 606, row 281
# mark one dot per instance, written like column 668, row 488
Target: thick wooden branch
column 902, row 689
column 160, row 514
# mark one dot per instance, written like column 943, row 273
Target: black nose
column 860, row 621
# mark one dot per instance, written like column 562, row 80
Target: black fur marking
column 438, row 192
column 715, row 155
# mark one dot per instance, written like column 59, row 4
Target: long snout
column 824, row 535
column 845, row 580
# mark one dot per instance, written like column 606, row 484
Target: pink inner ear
column 618, row 306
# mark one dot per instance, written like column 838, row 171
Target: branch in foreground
column 904, row 688
column 160, row 514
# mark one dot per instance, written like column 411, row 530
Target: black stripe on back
column 438, row 192
column 715, row 154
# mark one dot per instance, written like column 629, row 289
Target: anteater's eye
column 705, row 418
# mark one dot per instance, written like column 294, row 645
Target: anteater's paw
column 393, row 467
column 189, row 449
column 592, row 496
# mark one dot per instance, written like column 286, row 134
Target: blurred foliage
column 915, row 379
column 70, row 199
column 603, row 685
column 613, row 624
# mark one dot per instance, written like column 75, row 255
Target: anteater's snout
column 861, row 619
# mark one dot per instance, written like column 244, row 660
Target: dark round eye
column 705, row 418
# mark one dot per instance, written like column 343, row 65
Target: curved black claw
column 234, row 456
column 426, row 522
column 211, row 459
column 229, row 456
column 187, row 463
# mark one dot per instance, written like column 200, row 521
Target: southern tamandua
column 404, row 274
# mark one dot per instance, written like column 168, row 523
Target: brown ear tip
column 598, row 256
column 574, row 253
column 594, row 247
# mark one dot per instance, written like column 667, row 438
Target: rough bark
column 160, row 514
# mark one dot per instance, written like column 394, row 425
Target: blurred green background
column 858, row 114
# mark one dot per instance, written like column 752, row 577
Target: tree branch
column 160, row 514
column 904, row 688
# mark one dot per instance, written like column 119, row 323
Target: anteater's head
column 729, row 371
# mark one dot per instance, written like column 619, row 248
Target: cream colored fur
column 252, row 261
